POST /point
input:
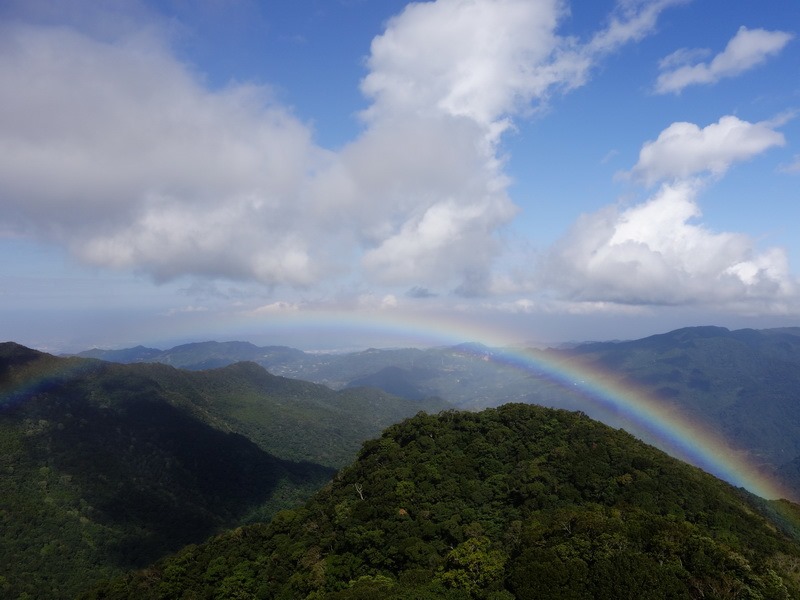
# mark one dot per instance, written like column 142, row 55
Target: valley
column 113, row 461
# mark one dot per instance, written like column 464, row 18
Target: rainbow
column 643, row 415
column 664, row 427
column 31, row 380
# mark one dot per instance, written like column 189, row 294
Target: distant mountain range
column 465, row 375
column 744, row 385
column 410, row 373
column 106, row 467
column 203, row 355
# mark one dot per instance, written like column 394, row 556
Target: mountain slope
column 101, row 472
column 106, row 467
column 298, row 419
column 394, row 380
column 743, row 384
column 515, row 502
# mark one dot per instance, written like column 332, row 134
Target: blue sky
column 539, row 169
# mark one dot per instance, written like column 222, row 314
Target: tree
column 473, row 566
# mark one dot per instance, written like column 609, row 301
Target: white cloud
column 489, row 60
column 276, row 308
column 632, row 20
column 683, row 149
column 443, row 236
column 475, row 59
column 389, row 301
column 112, row 147
column 554, row 306
column 747, row 49
column 682, row 57
column 185, row 309
column 147, row 169
column 374, row 302
column 117, row 151
column 656, row 253
column 446, row 79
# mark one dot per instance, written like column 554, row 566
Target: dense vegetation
column 107, row 467
column 297, row 419
column 515, row 502
column 293, row 419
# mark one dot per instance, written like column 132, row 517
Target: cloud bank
column 656, row 252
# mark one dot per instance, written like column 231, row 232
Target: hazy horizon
column 341, row 339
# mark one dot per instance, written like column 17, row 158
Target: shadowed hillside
column 106, row 467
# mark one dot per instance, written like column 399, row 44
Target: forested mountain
column 105, row 467
column 515, row 502
column 298, row 419
column 126, row 462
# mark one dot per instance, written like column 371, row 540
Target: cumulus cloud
column 747, row 49
column 444, row 233
column 375, row 302
column 684, row 149
column 276, row 308
column 656, row 253
column 116, row 149
column 488, row 61
column 464, row 69
column 479, row 60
